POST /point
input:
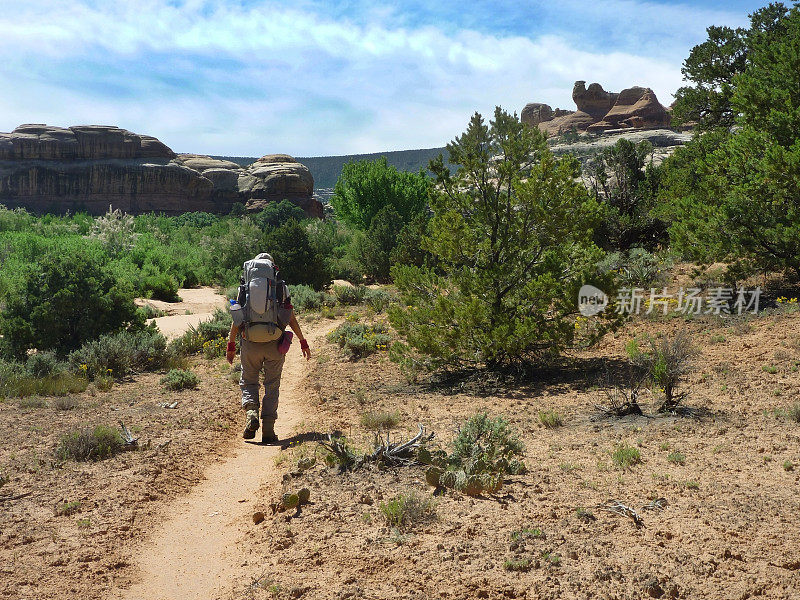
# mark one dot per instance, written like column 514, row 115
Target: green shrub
column 637, row 267
column 119, row 354
column 305, row 298
column 17, row 382
column 487, row 439
column 150, row 312
column 378, row 300
column 192, row 341
column 359, row 340
column 550, row 419
column 68, row 298
column 664, row 362
column 625, row 183
column 44, row 364
column 68, row 508
column 297, row 258
column 90, row 444
column 161, row 286
column 409, row 249
column 625, row 456
column 518, row 565
column 215, row 348
column 180, row 379
column 348, row 295
column 677, row 458
column 378, row 243
column 276, row 214
column 793, row 412
column 367, row 186
column 406, row 510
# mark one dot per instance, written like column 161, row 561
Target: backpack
column 264, row 299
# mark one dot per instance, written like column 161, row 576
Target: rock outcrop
column 636, row 107
column 599, row 111
column 593, row 100
column 536, row 113
column 91, row 167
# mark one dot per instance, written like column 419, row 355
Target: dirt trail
column 194, row 553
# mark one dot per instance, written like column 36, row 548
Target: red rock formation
column 636, row 107
column 599, row 110
column 89, row 167
column 594, row 100
column 536, row 113
column 577, row 120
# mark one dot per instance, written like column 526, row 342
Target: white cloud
column 266, row 78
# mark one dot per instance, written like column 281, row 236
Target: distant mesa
column 600, row 111
column 89, row 167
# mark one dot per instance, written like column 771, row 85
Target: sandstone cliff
column 87, row 168
column 599, row 110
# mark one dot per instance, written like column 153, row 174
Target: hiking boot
column 252, row 425
column 268, row 435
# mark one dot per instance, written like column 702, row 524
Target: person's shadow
column 310, row 436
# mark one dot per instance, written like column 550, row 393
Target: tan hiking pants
column 261, row 358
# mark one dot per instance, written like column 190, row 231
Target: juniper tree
column 732, row 195
column 511, row 238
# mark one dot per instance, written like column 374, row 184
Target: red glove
column 231, row 346
column 231, row 352
column 304, row 347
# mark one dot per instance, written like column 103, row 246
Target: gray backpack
column 264, row 300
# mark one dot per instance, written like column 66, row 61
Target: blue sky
column 310, row 78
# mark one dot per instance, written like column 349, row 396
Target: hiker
column 262, row 312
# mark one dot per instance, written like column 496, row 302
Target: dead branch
column 394, row 454
column 130, row 442
column 613, row 506
column 402, row 453
column 619, row 402
column 657, row 504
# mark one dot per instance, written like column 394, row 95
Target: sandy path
column 194, row 553
column 196, row 305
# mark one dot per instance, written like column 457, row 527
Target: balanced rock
column 91, row 167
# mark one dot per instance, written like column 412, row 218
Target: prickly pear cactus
column 433, row 475
column 304, row 495
column 290, row 501
column 306, row 463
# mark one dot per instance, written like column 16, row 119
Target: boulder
column 593, row 100
column 536, row 113
column 91, row 167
